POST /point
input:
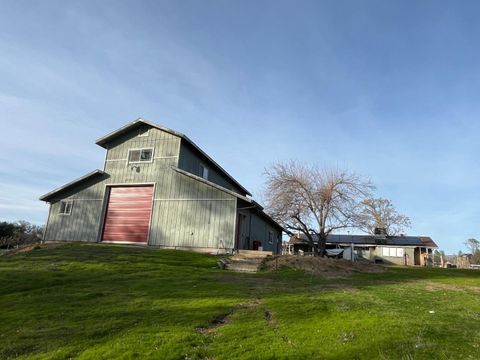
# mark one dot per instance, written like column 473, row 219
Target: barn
column 158, row 188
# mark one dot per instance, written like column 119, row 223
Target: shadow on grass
column 88, row 298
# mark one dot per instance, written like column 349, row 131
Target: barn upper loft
column 139, row 123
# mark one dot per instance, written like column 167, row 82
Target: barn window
column 270, row 237
column 140, row 155
column 204, row 171
column 66, row 207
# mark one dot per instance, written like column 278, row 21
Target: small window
column 143, row 132
column 270, row 237
column 204, row 171
column 66, row 207
column 140, row 155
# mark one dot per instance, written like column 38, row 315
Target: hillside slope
column 90, row 301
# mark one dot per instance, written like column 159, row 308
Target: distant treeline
column 14, row 234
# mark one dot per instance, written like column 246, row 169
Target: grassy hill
column 108, row 302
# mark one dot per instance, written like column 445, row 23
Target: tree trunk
column 322, row 243
column 311, row 243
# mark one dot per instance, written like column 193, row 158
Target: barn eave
column 48, row 197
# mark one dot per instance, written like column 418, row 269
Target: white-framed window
column 392, row 252
column 203, row 171
column 143, row 131
column 66, row 207
column 140, row 155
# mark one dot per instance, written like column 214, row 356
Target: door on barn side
column 128, row 213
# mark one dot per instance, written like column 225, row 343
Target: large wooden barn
column 157, row 187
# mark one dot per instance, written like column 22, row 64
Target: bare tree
column 380, row 213
column 312, row 200
column 473, row 245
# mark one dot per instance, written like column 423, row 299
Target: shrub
column 15, row 234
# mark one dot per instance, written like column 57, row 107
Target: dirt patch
column 224, row 318
column 268, row 316
column 439, row 287
column 214, row 323
column 330, row 268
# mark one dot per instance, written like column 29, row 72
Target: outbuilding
column 158, row 188
column 399, row 250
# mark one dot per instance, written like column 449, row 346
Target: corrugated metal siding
column 190, row 161
column 186, row 212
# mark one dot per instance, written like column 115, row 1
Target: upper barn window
column 66, row 207
column 203, row 171
column 140, row 155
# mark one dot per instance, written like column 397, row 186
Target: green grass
column 109, row 302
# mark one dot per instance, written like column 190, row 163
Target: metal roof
column 103, row 141
column 48, row 196
column 423, row 241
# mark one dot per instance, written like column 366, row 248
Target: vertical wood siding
column 260, row 230
column 255, row 228
column 82, row 224
column 190, row 161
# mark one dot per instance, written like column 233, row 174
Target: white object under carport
column 349, row 254
column 334, row 252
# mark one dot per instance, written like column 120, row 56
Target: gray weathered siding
column 254, row 227
column 260, row 230
column 193, row 215
column 83, row 223
column 165, row 154
column 190, row 161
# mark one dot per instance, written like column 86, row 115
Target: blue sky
column 389, row 89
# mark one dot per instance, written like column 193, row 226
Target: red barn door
column 127, row 218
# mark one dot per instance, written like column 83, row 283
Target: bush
column 15, row 234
